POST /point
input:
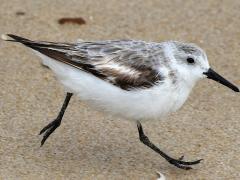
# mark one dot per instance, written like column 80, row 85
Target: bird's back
column 123, row 77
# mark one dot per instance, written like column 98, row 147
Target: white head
column 191, row 64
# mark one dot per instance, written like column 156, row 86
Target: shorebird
column 130, row 78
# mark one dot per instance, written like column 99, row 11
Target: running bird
column 134, row 79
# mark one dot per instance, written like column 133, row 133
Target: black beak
column 211, row 74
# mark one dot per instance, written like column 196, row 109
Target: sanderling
column 134, row 79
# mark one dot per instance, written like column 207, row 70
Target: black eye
column 190, row 60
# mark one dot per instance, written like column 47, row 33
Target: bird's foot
column 182, row 164
column 176, row 162
column 49, row 129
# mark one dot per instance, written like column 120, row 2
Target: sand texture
column 93, row 145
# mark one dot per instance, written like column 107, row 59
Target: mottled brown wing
column 125, row 63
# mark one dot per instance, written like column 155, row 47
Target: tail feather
column 12, row 37
column 36, row 45
column 57, row 51
column 24, row 41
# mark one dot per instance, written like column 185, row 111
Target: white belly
column 151, row 103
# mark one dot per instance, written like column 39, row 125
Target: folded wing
column 124, row 63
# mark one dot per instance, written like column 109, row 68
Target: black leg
column 50, row 128
column 176, row 162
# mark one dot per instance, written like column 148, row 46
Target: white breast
column 151, row 103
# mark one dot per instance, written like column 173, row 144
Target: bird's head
column 191, row 63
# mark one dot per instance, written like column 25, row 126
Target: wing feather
column 127, row 64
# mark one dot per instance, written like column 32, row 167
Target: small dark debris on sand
column 65, row 20
column 20, row 13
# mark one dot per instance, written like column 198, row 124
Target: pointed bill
column 211, row 74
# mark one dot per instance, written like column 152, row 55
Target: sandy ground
column 92, row 145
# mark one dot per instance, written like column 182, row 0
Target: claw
column 49, row 129
column 176, row 162
column 183, row 164
column 52, row 126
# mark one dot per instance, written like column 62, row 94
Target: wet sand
column 93, row 145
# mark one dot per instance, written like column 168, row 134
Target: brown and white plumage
column 123, row 77
column 124, row 63
column 126, row 76
column 135, row 79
